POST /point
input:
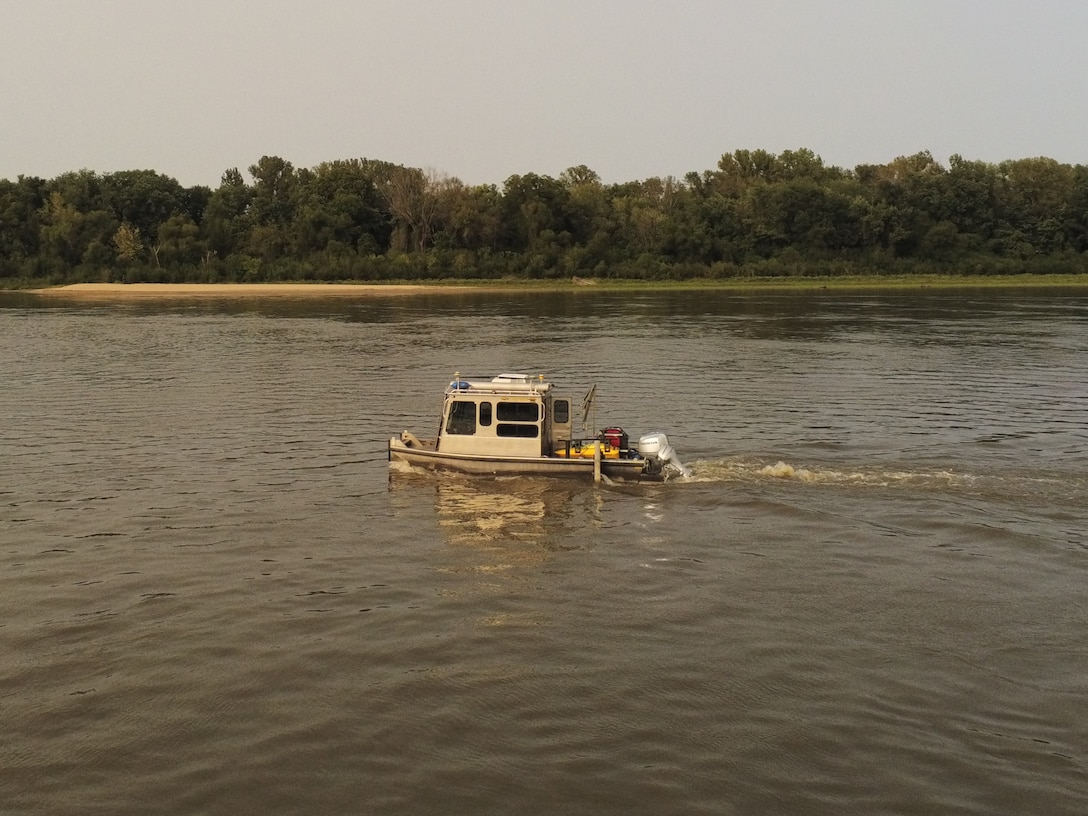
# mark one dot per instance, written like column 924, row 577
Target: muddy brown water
column 216, row 596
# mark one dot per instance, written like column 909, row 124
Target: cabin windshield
column 462, row 418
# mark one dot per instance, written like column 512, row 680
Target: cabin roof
column 522, row 384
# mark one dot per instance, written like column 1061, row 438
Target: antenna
column 587, row 405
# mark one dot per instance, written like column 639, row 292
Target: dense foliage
column 758, row 213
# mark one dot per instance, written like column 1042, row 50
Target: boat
column 518, row 424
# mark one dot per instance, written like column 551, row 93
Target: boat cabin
column 509, row 415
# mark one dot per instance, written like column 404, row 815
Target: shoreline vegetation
column 123, row 291
column 756, row 218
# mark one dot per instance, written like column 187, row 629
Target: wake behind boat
column 515, row 424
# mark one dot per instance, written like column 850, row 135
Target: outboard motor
column 659, row 454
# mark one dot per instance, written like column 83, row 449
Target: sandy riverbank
column 174, row 290
column 123, row 291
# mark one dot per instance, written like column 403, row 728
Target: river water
column 217, row 597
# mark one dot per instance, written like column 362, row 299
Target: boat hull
column 424, row 455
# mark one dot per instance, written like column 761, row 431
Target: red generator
column 616, row 437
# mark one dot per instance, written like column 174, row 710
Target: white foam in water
column 783, row 471
column 726, row 470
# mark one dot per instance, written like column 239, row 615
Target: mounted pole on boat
column 587, row 406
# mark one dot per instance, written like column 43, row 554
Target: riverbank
column 118, row 291
column 161, row 290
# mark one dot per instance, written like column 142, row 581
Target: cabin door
column 559, row 420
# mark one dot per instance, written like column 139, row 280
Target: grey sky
column 485, row 89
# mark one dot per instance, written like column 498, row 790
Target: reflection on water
column 513, row 517
column 768, row 314
column 471, row 512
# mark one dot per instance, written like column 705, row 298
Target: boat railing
column 502, row 388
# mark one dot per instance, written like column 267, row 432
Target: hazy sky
column 483, row 89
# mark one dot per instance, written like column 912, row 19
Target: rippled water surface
column 217, row 597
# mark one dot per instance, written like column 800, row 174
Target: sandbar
column 135, row 291
column 235, row 290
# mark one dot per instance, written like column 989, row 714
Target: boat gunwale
column 401, row 451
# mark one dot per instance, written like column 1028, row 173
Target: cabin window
column 518, row 412
column 462, row 418
column 519, row 431
column 561, row 412
column 485, row 414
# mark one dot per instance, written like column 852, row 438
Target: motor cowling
column 655, row 448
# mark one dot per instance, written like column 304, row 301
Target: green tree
column 1037, row 195
column 1076, row 220
column 536, row 212
column 912, row 194
column 128, row 243
column 802, row 214
column 471, row 217
column 580, row 176
column 969, row 199
column 142, row 198
column 225, row 220
column 178, row 244
column 413, row 197
column 273, row 197
column 81, row 189
column 340, row 202
column 643, row 210
column 739, row 170
column 20, row 204
column 70, row 237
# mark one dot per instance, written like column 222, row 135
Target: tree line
column 756, row 213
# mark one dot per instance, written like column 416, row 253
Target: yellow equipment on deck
column 583, row 449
